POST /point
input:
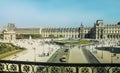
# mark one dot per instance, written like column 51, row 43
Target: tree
column 61, row 36
column 26, row 36
column 51, row 36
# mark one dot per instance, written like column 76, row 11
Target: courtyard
column 44, row 50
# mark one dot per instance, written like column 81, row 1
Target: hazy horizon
column 58, row 13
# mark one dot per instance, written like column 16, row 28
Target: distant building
column 27, row 30
column 9, row 36
column 10, row 26
column 57, row 32
column 98, row 31
column 102, row 31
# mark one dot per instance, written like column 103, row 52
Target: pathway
column 77, row 55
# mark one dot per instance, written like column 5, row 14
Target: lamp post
column 89, row 47
column 43, row 42
column 96, row 49
column 79, row 46
column 111, row 58
column 92, row 47
column 43, row 50
column 112, row 55
column 102, row 52
column 49, row 50
column 34, row 54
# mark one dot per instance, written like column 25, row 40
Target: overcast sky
column 58, row 13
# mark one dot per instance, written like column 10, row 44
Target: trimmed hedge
column 74, row 42
column 6, row 47
column 26, row 36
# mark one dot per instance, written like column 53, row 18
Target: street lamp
column 112, row 54
column 92, row 47
column 96, row 49
column 43, row 42
column 102, row 52
column 111, row 58
column 49, row 50
column 79, row 46
column 89, row 47
column 34, row 54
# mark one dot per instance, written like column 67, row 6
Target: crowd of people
column 36, row 50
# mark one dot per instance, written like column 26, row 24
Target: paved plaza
column 105, row 56
column 42, row 50
column 37, row 51
column 77, row 55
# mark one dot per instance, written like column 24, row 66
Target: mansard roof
column 118, row 23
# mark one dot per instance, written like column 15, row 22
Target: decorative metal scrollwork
column 40, row 69
column 26, row 68
column 32, row 67
column 1, row 67
column 55, row 69
column 115, row 70
column 84, row 70
column 13, row 67
column 69, row 70
column 100, row 70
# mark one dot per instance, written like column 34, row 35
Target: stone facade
column 57, row 32
column 27, row 30
column 9, row 36
column 102, row 31
column 98, row 31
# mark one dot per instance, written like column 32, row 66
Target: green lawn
column 9, row 53
column 78, row 42
column 60, row 41
column 7, row 49
column 74, row 42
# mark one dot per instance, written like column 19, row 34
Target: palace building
column 98, row 31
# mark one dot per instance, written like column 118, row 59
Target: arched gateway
column 9, row 36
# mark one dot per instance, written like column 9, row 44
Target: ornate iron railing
column 40, row 67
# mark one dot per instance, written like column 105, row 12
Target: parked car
column 63, row 59
column 66, row 50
